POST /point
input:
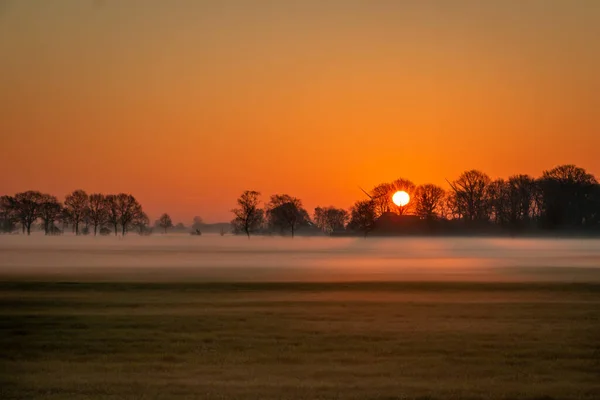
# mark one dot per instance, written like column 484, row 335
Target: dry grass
column 299, row 341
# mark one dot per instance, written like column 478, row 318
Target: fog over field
column 230, row 258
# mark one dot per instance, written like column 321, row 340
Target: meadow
column 129, row 330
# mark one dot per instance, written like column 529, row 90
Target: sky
column 187, row 103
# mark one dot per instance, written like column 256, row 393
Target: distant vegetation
column 565, row 199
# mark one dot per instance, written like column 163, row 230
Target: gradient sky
column 187, row 103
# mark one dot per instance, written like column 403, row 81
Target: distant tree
column 448, row 207
column 27, row 207
column 140, row 222
column 8, row 217
column 50, row 212
column 382, row 194
column 567, row 196
column 286, row 213
column 249, row 217
column 363, row 217
column 329, row 219
column 471, row 195
column 523, row 189
column 112, row 211
column 128, row 210
column 429, row 201
column 76, row 206
column 499, row 195
column 97, row 211
column 197, row 223
column 512, row 201
column 594, row 216
column 406, row 186
column 165, row 222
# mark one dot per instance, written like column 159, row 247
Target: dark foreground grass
column 299, row 341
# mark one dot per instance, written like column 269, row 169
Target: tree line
column 564, row 198
column 95, row 213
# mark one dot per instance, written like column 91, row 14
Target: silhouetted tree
column 329, row 219
column 594, row 217
column 567, row 196
column 429, row 201
column 512, row 201
column 28, row 208
column 408, row 187
column 249, row 217
column 112, row 211
column 449, row 209
column 8, row 217
column 128, row 209
column 76, row 206
column 50, row 211
column 382, row 194
column 363, row 217
column 471, row 195
column 141, row 222
column 97, row 212
column 165, row 222
column 286, row 213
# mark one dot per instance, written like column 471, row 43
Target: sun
column 401, row 198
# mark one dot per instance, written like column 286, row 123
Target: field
column 77, row 334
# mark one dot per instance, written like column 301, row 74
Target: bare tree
column 112, row 211
column 448, row 207
column 28, row 208
column 363, row 217
column 286, row 213
column 471, row 195
column 50, row 211
column 429, row 201
column 76, row 205
column 128, row 209
column 8, row 217
column 406, row 186
column 249, row 217
column 329, row 219
column 382, row 194
column 141, row 222
column 165, row 222
column 97, row 211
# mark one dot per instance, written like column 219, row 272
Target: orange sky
column 187, row 103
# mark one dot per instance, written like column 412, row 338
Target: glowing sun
column 401, row 198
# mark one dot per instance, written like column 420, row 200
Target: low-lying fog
column 217, row 258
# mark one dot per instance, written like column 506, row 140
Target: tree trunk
column 116, row 229
column 95, row 229
column 123, row 230
column 77, row 228
column 28, row 229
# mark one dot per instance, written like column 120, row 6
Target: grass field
column 446, row 340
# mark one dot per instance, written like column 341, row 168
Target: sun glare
column 401, row 198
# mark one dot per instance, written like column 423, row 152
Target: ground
column 403, row 340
